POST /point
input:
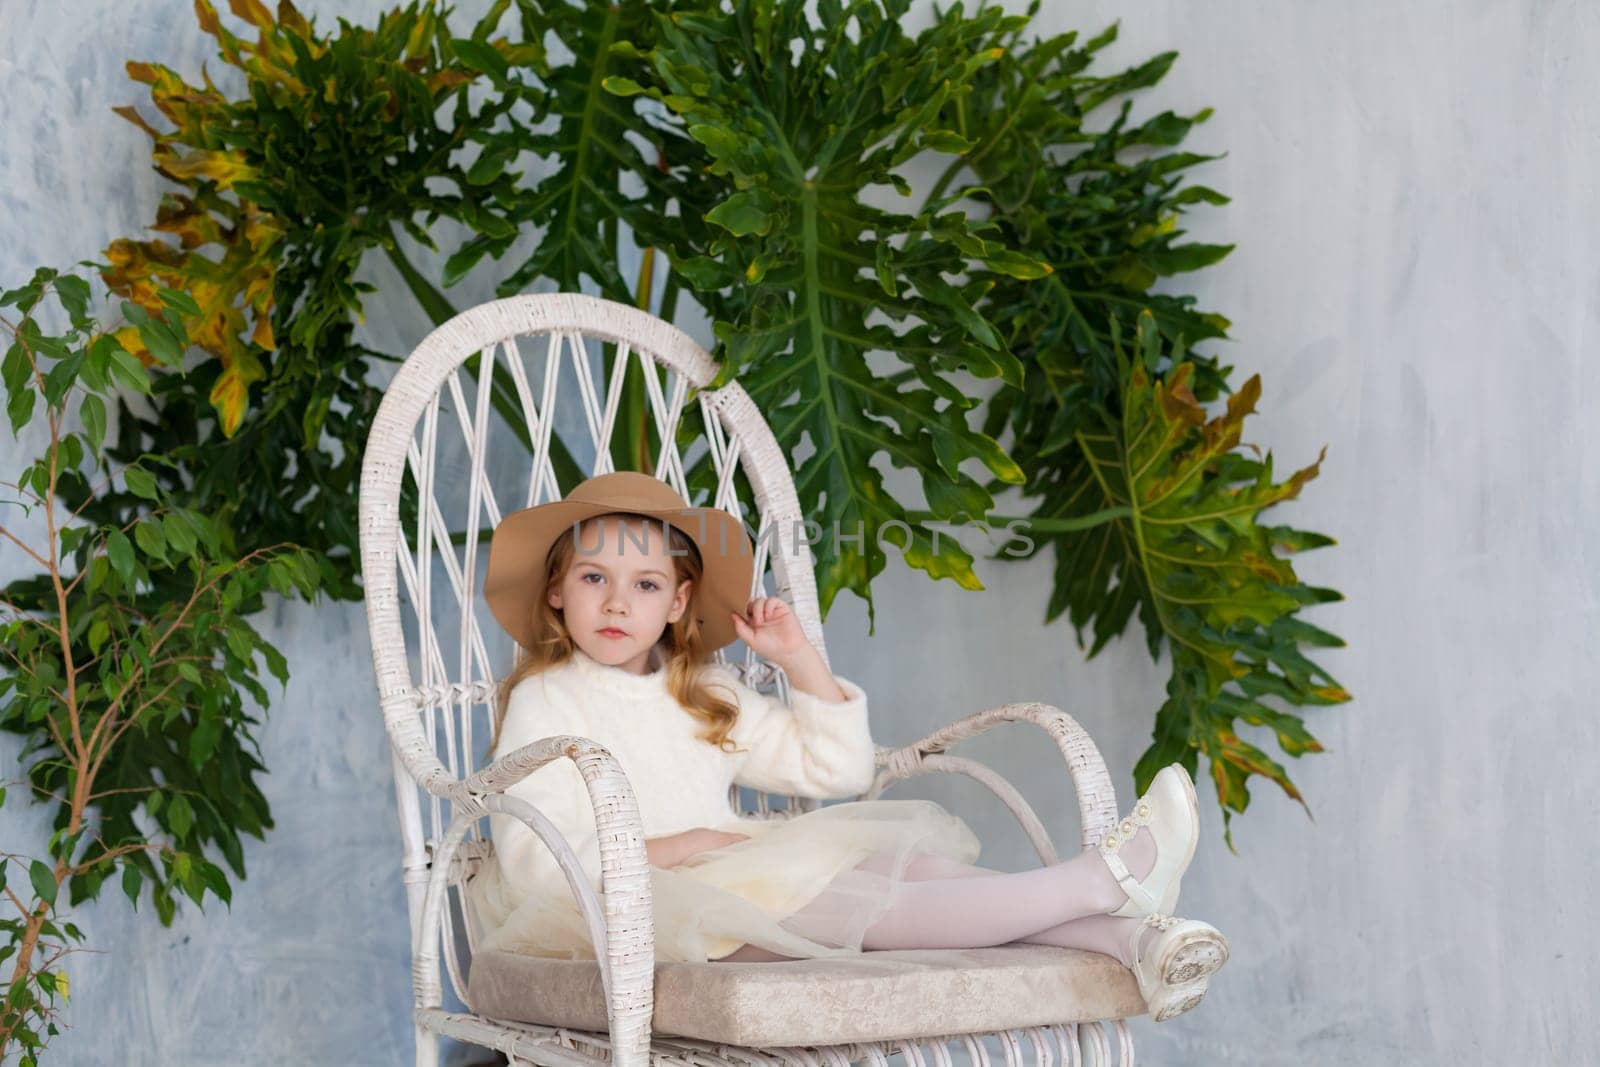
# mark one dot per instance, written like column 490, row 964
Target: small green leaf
column 129, row 371
column 93, row 412
column 135, row 313
column 61, row 377
column 99, row 630
column 946, row 141
column 148, row 536
column 621, row 86
column 744, row 213
column 179, row 534
column 120, row 551
column 44, row 882
column 161, row 342
column 204, row 739
column 20, row 409
column 97, row 368
column 180, row 816
column 488, row 166
column 141, row 483
column 74, row 294
column 180, row 301
column 480, row 56
column 131, row 879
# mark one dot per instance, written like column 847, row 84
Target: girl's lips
column 613, row 633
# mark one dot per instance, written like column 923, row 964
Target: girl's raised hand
column 770, row 629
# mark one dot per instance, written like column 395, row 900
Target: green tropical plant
column 127, row 656
column 1102, row 207
column 339, row 145
column 781, row 246
column 1205, row 575
column 775, row 129
column 746, row 150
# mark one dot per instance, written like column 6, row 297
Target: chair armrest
column 517, row 764
column 620, row 922
column 1097, row 800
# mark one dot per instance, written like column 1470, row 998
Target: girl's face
column 620, row 592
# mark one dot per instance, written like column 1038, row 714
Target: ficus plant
column 127, row 654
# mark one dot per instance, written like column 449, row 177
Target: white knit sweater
column 815, row 748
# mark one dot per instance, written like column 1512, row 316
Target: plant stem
column 1082, row 522
column 431, row 300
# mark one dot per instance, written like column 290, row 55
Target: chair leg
column 427, row 1047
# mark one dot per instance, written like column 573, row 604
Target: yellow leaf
column 133, row 116
column 289, row 18
column 229, row 397
column 447, row 79
column 421, row 31
column 224, row 168
column 128, row 338
column 181, row 216
column 262, row 334
column 252, row 11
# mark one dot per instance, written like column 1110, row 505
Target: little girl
column 620, row 594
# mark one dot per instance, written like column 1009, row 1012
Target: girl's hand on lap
column 673, row 849
column 713, row 839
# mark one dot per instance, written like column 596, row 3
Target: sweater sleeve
column 557, row 790
column 813, row 747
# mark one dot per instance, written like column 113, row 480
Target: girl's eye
column 591, row 574
column 650, row 585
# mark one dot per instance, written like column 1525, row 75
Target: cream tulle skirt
column 767, row 891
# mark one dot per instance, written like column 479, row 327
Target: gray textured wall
column 1414, row 204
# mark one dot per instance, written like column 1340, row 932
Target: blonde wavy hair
column 682, row 644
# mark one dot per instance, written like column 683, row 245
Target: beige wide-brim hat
column 514, row 586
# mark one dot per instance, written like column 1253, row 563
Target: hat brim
column 520, row 546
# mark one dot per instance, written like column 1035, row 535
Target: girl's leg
column 993, row 908
column 980, row 907
column 1105, row 934
column 944, row 904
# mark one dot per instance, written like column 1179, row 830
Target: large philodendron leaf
column 788, row 125
column 1101, row 206
column 1204, row 574
column 579, row 202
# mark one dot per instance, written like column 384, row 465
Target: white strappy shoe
column 1171, row 811
column 1174, row 964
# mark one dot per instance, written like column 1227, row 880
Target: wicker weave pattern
column 443, row 797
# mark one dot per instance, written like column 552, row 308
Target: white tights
column 945, row 904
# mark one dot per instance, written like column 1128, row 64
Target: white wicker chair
column 1058, row 1002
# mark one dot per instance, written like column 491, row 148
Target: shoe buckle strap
column 1130, row 885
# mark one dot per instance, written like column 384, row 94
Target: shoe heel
column 1182, row 974
column 1194, row 958
column 1178, row 1001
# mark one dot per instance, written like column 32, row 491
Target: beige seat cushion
column 875, row 996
